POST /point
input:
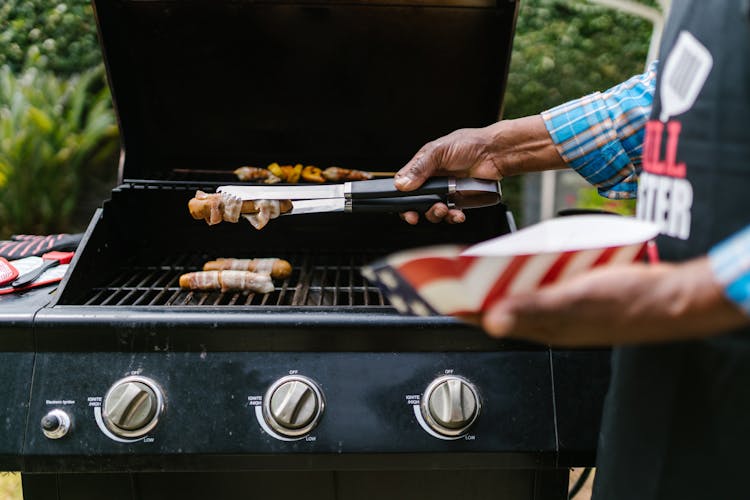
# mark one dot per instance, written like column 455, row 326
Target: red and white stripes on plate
column 445, row 282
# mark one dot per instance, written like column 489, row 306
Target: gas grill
column 320, row 388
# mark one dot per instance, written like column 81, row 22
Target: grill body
column 119, row 313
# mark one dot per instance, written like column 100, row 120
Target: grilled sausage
column 217, row 207
column 227, row 281
column 277, row 268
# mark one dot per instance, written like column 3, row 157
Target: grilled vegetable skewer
column 256, row 174
column 292, row 174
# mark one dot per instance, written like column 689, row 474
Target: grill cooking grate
column 317, row 279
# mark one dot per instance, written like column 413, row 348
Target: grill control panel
column 277, row 408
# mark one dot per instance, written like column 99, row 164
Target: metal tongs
column 378, row 195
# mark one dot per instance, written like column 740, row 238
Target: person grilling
column 674, row 423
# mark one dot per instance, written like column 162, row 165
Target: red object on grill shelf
column 49, row 260
column 25, row 245
column 7, row 272
column 37, row 271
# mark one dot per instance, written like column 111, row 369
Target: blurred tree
column 564, row 49
column 59, row 140
column 58, row 35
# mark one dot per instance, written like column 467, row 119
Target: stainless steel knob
column 293, row 405
column 450, row 405
column 132, row 406
column 55, row 424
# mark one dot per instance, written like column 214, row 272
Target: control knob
column 450, row 405
column 293, row 405
column 132, row 406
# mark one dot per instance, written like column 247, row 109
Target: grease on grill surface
column 317, row 280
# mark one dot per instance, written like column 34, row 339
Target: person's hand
column 465, row 152
column 501, row 149
column 619, row 305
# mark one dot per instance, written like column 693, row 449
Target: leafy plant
column 51, row 130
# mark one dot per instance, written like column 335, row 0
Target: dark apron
column 677, row 417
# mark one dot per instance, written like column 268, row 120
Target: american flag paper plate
column 456, row 280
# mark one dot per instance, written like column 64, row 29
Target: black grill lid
column 215, row 84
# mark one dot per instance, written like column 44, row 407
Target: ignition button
column 55, row 424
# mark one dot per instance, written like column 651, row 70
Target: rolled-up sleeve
column 601, row 135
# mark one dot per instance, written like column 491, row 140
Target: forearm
column 684, row 301
column 621, row 305
column 523, row 145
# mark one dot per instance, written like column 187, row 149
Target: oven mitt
column 27, row 264
column 25, row 245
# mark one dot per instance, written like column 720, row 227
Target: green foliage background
column 56, row 35
column 563, row 49
column 58, row 137
column 52, row 130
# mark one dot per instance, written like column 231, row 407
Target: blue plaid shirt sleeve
column 730, row 263
column 601, row 135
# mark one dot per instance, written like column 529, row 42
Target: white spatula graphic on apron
column 684, row 74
